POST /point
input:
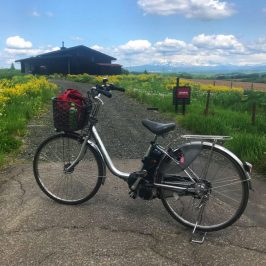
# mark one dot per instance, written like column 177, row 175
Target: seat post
column 155, row 139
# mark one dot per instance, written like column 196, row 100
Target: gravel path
column 119, row 126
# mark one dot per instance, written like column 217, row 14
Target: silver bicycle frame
column 123, row 175
column 114, row 170
column 107, row 158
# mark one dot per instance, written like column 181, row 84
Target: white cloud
column 17, row 42
column 17, row 48
column 135, row 46
column 170, row 45
column 97, row 48
column 201, row 9
column 203, row 50
column 29, row 52
column 220, row 41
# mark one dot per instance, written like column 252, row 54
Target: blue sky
column 137, row 32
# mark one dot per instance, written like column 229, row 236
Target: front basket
column 63, row 120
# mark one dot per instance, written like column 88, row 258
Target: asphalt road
column 112, row 228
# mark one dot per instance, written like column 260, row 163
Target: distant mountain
column 165, row 68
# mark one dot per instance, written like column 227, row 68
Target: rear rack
column 206, row 137
column 212, row 138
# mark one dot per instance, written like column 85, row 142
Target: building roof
column 109, row 65
column 65, row 52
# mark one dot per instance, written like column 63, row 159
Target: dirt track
column 113, row 229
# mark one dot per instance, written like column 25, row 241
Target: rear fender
column 192, row 149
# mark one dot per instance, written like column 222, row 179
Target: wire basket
column 69, row 116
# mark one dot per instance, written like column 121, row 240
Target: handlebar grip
column 114, row 88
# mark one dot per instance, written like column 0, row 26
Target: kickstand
column 198, row 237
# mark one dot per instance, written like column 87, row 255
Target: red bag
column 72, row 95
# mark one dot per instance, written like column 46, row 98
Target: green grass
column 15, row 115
column 228, row 115
column 13, row 124
column 6, row 73
column 229, row 112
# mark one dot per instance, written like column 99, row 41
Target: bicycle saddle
column 158, row 128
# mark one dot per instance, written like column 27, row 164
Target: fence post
column 177, row 86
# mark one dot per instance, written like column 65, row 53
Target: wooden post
column 177, row 82
column 206, row 111
column 177, row 86
column 184, row 107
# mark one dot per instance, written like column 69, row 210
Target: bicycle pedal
column 141, row 173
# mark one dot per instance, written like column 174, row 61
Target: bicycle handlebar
column 114, row 88
column 103, row 91
column 106, row 88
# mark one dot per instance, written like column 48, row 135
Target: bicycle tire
column 51, row 158
column 225, row 176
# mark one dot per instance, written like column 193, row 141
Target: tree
column 12, row 67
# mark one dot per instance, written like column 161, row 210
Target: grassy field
column 230, row 110
column 21, row 97
column 229, row 113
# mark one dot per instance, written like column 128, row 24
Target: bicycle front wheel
column 51, row 160
column 224, row 190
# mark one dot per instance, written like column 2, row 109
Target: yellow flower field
column 20, row 98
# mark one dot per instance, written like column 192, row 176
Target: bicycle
column 203, row 185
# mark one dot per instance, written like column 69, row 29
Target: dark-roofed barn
column 75, row 60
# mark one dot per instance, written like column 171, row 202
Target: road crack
column 22, row 190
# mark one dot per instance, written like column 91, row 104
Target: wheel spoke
column 53, row 156
column 220, row 182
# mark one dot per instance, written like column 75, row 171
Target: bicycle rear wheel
column 221, row 203
column 52, row 158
